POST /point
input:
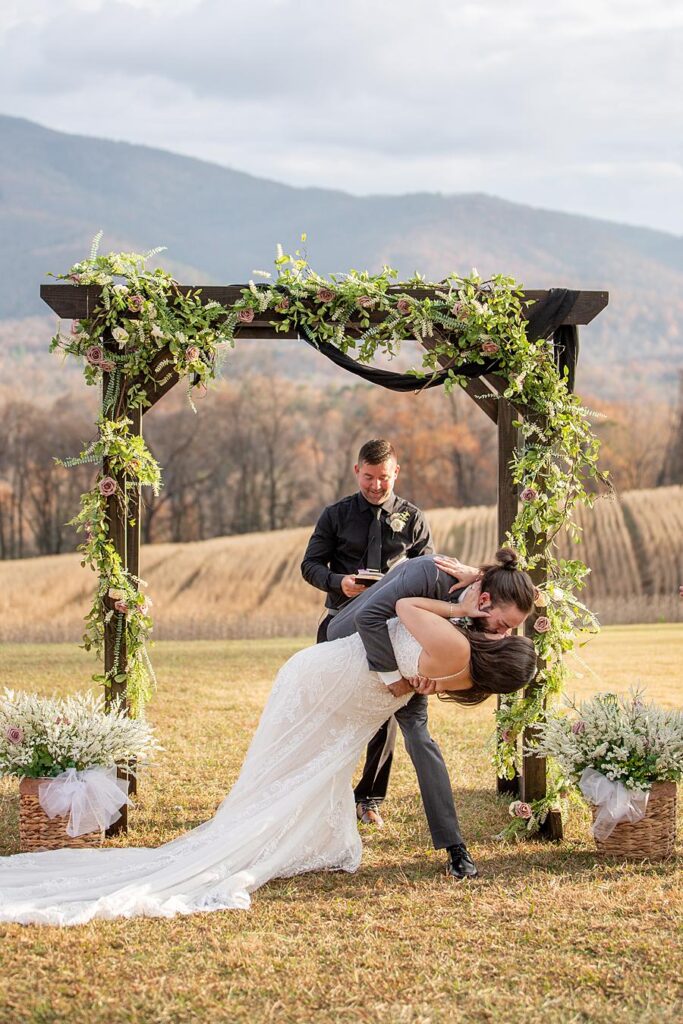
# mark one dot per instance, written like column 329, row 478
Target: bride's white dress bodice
column 291, row 809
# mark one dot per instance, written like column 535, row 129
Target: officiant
column 364, row 535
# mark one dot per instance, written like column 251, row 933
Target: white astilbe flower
column 625, row 739
column 43, row 736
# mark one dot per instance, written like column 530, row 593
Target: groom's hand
column 423, row 685
column 350, row 588
column 400, row 688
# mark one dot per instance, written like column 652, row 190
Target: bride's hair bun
column 507, row 558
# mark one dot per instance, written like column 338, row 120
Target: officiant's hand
column 464, row 574
column 350, row 588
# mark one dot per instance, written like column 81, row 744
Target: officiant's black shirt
column 339, row 544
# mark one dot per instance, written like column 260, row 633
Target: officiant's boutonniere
column 398, row 520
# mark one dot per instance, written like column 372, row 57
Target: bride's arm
column 444, row 649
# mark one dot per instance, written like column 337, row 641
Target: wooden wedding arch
column 77, row 302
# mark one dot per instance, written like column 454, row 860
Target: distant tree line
column 263, row 453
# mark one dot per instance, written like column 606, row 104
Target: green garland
column 464, row 319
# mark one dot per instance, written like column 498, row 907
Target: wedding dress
column 290, row 811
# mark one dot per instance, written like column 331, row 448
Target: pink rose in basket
column 14, row 734
column 529, row 494
column 107, row 486
column 135, row 303
column 519, row 809
column 459, row 310
column 325, row 295
column 404, row 306
column 490, row 347
column 246, row 315
column 107, row 366
column 121, row 606
column 365, row 301
column 542, row 624
column 283, row 305
column 192, row 353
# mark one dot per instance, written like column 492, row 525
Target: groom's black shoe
column 460, row 864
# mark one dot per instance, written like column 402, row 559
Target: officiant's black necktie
column 374, row 558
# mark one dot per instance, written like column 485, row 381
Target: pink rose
column 325, row 295
column 283, row 305
column 121, row 606
column 529, row 494
column 94, row 355
column 246, row 315
column 75, row 327
column 192, row 353
column 107, row 366
column 542, row 624
column 135, row 303
column 76, row 278
column 578, row 728
column 459, row 310
column 14, row 734
column 490, row 347
column 404, row 306
column 107, row 486
column 506, row 736
column 365, row 301
column 523, row 810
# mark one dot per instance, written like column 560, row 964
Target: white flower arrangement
column 625, row 739
column 397, row 520
column 45, row 736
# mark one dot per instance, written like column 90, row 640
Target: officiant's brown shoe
column 367, row 812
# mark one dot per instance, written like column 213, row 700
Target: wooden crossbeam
column 76, row 302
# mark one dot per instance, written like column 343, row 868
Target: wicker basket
column 651, row 838
column 38, row 832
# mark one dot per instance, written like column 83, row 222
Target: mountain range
column 57, row 190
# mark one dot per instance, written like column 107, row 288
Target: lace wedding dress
column 290, row 811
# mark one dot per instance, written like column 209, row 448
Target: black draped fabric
column 544, row 319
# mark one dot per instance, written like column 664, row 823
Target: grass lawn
column 548, row 932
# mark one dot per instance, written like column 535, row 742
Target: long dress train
column 291, row 809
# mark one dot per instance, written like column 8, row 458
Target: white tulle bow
column 614, row 801
column 93, row 798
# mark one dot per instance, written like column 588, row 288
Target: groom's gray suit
column 368, row 615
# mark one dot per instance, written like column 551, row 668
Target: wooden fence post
column 508, row 439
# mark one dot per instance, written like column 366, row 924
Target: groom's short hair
column 376, row 452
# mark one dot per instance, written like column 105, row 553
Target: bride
column 292, row 808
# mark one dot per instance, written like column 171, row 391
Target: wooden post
column 508, row 439
column 126, row 540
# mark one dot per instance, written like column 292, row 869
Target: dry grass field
column 549, row 932
column 250, row 585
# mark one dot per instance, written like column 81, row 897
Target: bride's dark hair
column 496, row 666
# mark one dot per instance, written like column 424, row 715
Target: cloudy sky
column 573, row 105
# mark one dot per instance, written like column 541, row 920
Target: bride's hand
column 469, row 605
column 464, row 574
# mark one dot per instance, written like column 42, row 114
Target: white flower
column 398, row 520
column 73, row 730
column 157, row 332
column 121, row 289
column 120, row 335
column 115, row 594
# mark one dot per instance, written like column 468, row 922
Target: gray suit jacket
column 369, row 613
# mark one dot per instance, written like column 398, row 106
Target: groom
column 368, row 616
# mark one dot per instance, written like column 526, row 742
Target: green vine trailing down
column 464, row 319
